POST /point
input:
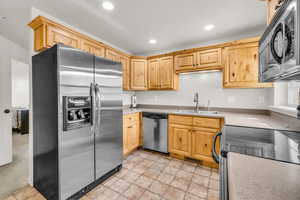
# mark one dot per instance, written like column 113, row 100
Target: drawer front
column 207, row 122
column 130, row 119
column 180, row 119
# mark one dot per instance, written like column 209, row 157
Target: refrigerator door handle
column 93, row 101
column 98, row 105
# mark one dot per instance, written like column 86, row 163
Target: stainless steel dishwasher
column 155, row 127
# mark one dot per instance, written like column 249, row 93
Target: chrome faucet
column 196, row 100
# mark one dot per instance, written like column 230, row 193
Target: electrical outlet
column 155, row 99
column 231, row 99
column 261, row 99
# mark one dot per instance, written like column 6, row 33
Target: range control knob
column 70, row 116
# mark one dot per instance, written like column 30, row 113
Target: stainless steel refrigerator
column 77, row 121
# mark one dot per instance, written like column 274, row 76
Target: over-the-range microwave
column 279, row 47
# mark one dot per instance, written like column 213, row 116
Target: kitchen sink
column 204, row 112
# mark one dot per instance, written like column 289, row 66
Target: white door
column 5, row 118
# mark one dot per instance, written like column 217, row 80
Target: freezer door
column 76, row 147
column 109, row 126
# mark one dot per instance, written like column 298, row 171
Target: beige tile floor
column 149, row 176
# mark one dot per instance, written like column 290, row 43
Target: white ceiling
column 176, row 24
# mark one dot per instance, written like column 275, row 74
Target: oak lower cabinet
column 192, row 137
column 202, row 143
column 180, row 139
column 161, row 75
column 131, row 132
column 241, row 66
column 139, row 72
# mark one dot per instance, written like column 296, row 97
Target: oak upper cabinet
column 241, row 66
column 272, row 7
column 126, row 71
column 185, row 62
column 48, row 33
column 180, row 139
column 112, row 55
column 161, row 75
column 93, row 48
column 167, row 77
column 153, row 74
column 125, row 61
column 207, row 59
column 139, row 73
column 57, row 35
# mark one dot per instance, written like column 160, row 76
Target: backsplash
column 209, row 86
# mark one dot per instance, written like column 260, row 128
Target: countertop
column 252, row 178
column 231, row 118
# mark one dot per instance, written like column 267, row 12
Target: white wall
column 209, row 86
column 20, row 84
column 8, row 51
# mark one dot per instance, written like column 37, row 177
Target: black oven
column 279, row 45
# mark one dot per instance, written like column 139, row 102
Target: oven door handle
column 214, row 153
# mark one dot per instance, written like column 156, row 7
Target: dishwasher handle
column 214, row 153
column 155, row 115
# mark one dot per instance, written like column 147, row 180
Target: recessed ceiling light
column 108, row 6
column 152, row 41
column 209, row 27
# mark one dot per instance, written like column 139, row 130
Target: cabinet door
column 241, row 66
column 185, row 62
column 125, row 139
column 202, row 143
column 153, row 68
column 133, row 136
column 209, row 58
column 57, row 35
column 93, row 48
column 180, row 139
column 138, row 72
column 112, row 55
column 166, row 73
column 126, row 72
column 271, row 6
